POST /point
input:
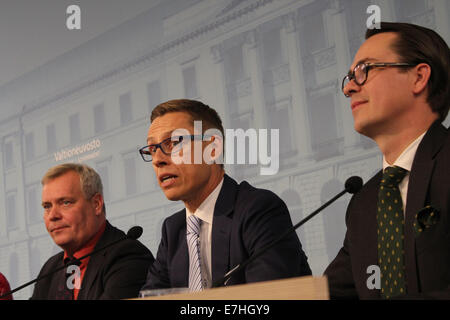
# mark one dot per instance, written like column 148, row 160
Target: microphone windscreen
column 353, row 184
column 135, row 232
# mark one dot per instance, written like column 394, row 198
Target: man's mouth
column 356, row 104
column 56, row 229
column 167, row 179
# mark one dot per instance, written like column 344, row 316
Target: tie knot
column 193, row 224
column 71, row 260
column 392, row 176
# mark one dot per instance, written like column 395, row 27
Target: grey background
column 260, row 63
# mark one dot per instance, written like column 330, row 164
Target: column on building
column 3, row 215
column 175, row 87
column 336, row 16
column 221, row 98
column 253, row 60
column 220, row 103
column 21, row 196
column 298, row 91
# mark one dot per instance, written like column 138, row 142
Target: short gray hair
column 90, row 180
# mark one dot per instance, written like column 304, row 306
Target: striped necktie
column 390, row 233
column 193, row 241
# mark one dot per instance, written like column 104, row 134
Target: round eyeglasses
column 360, row 72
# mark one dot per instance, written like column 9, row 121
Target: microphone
column 352, row 186
column 134, row 233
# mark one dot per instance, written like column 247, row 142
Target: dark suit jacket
column 115, row 273
column 427, row 257
column 245, row 220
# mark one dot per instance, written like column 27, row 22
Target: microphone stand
column 130, row 235
column 352, row 185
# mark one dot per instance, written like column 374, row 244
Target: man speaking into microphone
column 224, row 222
column 75, row 217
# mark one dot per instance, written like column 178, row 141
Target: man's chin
column 61, row 241
column 361, row 127
column 171, row 195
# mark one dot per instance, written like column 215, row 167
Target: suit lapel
column 221, row 229
column 366, row 233
column 95, row 263
column 418, row 185
column 180, row 261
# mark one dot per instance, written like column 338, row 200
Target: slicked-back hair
column 196, row 109
column 416, row 44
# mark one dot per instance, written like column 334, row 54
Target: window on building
column 51, row 138
column 312, row 42
column 356, row 23
column 99, row 119
column 11, row 220
column 154, row 94
column 129, row 163
column 126, row 112
column 325, row 141
column 103, row 171
column 33, row 209
column 29, row 146
column 74, row 127
column 280, row 119
column 333, row 218
column 407, row 9
column 13, row 270
column 272, row 53
column 234, row 64
column 190, row 82
column 8, row 152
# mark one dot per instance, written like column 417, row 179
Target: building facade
column 262, row 64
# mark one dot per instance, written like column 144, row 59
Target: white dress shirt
column 405, row 161
column 205, row 212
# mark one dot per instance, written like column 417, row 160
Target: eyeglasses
column 168, row 146
column 359, row 73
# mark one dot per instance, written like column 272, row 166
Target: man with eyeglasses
column 397, row 243
column 223, row 223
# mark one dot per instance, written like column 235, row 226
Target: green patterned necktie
column 390, row 233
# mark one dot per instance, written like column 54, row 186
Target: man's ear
column 97, row 201
column 422, row 74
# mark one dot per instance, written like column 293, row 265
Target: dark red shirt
column 88, row 248
column 4, row 287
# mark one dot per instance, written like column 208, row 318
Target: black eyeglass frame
column 143, row 152
column 351, row 75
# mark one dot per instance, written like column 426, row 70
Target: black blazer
column 245, row 220
column 427, row 256
column 117, row 272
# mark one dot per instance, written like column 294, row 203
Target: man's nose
column 53, row 214
column 350, row 88
column 160, row 159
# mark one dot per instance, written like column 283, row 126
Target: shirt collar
column 205, row 211
column 406, row 158
column 89, row 247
